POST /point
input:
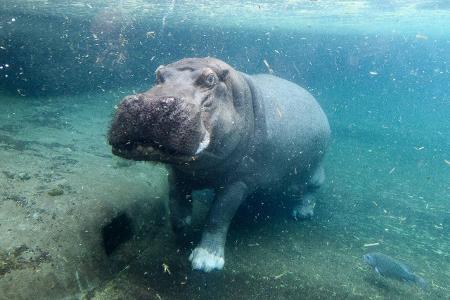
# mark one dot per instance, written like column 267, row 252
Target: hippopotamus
column 220, row 129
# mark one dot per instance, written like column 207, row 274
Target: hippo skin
column 220, row 129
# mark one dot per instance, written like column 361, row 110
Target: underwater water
column 77, row 222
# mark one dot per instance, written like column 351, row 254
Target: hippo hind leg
column 305, row 208
column 180, row 206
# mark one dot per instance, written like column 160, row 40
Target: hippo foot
column 303, row 212
column 205, row 260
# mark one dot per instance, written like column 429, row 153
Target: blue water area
column 380, row 71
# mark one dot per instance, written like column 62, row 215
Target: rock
column 8, row 174
column 56, row 191
column 24, row 176
column 21, row 257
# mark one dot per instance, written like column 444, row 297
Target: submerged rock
column 56, row 191
column 21, row 257
column 8, row 174
column 24, row 176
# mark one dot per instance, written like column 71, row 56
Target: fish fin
column 420, row 282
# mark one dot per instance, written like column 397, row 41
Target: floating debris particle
column 150, row 34
column 371, row 244
column 280, row 275
column 419, row 148
column 439, row 226
column 280, row 114
column 373, row 73
column 421, row 37
column 166, row 269
column 392, row 171
column 268, row 66
column 438, row 251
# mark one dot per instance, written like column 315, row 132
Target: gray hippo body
column 224, row 130
column 295, row 133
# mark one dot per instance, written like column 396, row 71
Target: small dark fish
column 389, row 267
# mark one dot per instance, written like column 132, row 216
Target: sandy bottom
column 384, row 192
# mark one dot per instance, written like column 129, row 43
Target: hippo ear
column 223, row 74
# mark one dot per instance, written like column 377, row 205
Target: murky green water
column 380, row 71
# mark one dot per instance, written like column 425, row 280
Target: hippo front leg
column 210, row 253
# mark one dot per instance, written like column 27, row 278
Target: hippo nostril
column 169, row 105
column 169, row 101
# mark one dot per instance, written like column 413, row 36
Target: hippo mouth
column 154, row 151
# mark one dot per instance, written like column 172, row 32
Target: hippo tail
column 420, row 282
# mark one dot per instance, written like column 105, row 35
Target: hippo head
column 198, row 110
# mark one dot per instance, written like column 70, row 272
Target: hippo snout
column 169, row 124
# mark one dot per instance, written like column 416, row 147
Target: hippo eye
column 210, row 79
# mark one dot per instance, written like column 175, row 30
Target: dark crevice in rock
column 116, row 232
